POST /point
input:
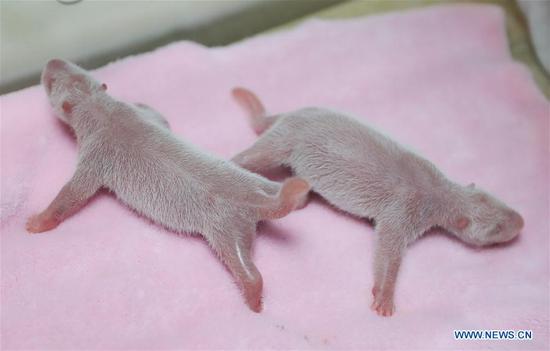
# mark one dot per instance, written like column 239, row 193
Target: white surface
column 538, row 16
column 35, row 31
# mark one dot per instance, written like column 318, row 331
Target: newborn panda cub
column 362, row 172
column 129, row 149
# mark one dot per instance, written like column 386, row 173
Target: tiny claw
column 40, row 223
column 253, row 293
column 255, row 306
column 383, row 307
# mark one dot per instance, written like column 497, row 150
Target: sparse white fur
column 129, row 149
column 364, row 173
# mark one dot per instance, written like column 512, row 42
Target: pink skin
column 364, row 173
column 129, row 149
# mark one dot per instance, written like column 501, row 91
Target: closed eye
column 79, row 86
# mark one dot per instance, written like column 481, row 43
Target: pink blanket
column 440, row 80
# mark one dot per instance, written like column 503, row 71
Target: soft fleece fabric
column 440, row 80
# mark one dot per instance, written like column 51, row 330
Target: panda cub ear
column 462, row 223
